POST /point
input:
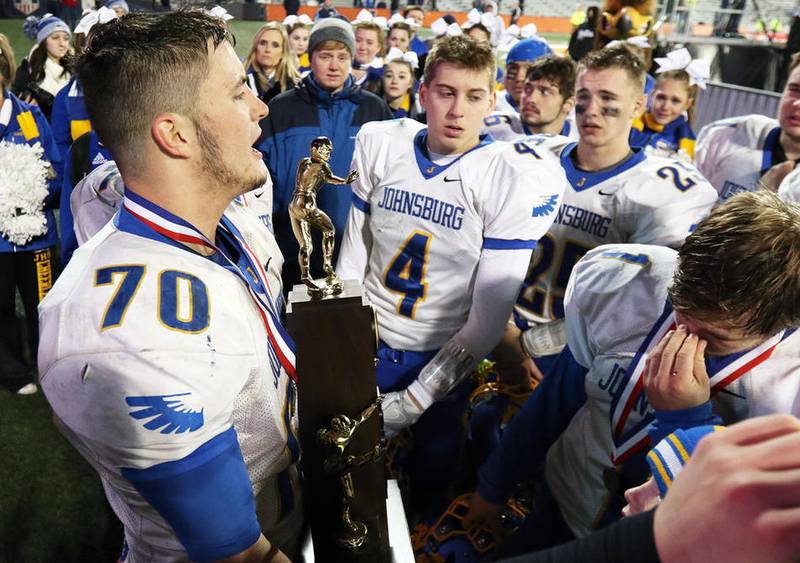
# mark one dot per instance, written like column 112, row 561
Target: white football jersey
column 789, row 189
column 507, row 126
column 734, row 153
column 646, row 199
column 429, row 224
column 615, row 296
column 505, row 103
column 154, row 351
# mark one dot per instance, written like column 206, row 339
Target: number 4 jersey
column 426, row 225
column 644, row 199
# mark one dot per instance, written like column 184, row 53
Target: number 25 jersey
column 645, row 199
column 427, row 225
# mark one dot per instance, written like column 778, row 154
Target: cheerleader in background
column 398, row 83
column 271, row 67
column 43, row 74
column 666, row 128
column 400, row 32
column 27, row 224
column 370, row 46
column 298, row 28
column 479, row 26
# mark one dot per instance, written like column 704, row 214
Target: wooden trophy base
column 336, row 344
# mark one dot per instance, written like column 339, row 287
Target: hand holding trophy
column 312, row 173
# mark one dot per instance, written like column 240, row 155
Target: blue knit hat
column 528, row 50
column 41, row 28
column 118, row 4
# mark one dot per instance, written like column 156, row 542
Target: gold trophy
column 312, row 173
column 338, row 436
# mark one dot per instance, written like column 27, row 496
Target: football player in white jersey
column 734, row 154
column 617, row 194
column 546, row 103
column 519, row 59
column 440, row 233
column 728, row 302
column 165, row 362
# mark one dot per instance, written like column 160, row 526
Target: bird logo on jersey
column 175, row 413
column 545, row 206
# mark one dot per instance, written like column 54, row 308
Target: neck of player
column 790, row 145
column 599, row 157
column 202, row 208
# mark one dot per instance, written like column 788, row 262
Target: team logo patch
column 545, row 206
column 170, row 413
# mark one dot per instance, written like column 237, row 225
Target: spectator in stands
column 417, row 45
column 578, row 17
column 581, row 42
column 120, row 7
column 42, row 75
column 326, row 10
column 271, row 67
column 370, row 46
column 291, row 7
column 400, row 34
column 298, row 29
column 666, row 128
column 27, row 257
column 327, row 102
column 398, row 83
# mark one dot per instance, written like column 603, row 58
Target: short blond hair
column 464, row 52
column 619, row 56
column 742, row 265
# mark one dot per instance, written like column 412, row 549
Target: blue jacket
column 69, row 119
column 27, row 125
column 295, row 118
column 674, row 136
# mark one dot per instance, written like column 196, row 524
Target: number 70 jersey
column 645, row 199
column 417, row 230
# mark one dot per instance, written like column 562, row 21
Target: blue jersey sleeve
column 69, row 242
column 543, row 418
column 667, row 422
column 206, row 497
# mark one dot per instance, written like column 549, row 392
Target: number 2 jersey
column 156, row 363
column 645, row 199
column 417, row 230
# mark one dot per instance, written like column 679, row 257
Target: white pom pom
column 23, row 189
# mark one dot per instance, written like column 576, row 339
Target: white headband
column 397, row 18
column 440, row 28
column 474, row 17
column 396, row 54
column 103, row 15
column 699, row 70
column 291, row 20
column 365, row 16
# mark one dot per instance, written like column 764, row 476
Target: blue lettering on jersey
column 170, row 411
column 545, row 205
column 730, row 189
column 423, row 206
column 583, row 220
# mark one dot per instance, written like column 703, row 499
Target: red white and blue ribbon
column 182, row 232
column 627, row 442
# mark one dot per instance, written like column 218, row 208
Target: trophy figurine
column 312, row 173
column 339, row 435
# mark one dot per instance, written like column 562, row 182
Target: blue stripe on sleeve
column 361, row 205
column 206, row 497
column 508, row 244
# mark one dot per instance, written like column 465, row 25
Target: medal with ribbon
column 181, row 233
column 628, row 441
